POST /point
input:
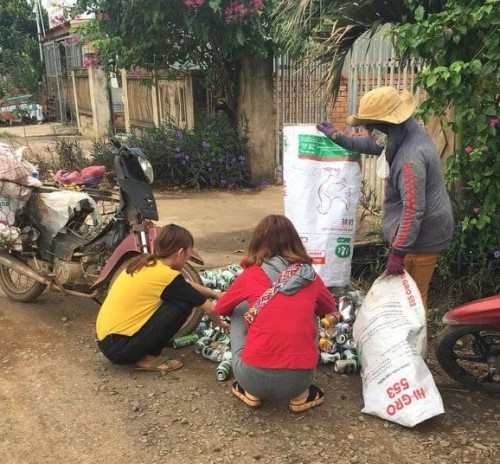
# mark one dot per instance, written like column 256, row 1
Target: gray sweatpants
column 278, row 384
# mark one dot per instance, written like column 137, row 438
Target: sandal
column 315, row 397
column 155, row 365
column 240, row 393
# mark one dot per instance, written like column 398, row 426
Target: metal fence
column 300, row 96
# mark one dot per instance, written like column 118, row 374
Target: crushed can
column 328, row 358
column 202, row 343
column 346, row 366
column 211, row 354
column 223, row 370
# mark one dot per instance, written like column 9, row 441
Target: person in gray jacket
column 417, row 214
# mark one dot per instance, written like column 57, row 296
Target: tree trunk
column 255, row 104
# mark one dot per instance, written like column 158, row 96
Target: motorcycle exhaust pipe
column 21, row 267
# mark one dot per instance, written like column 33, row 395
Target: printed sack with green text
column 322, row 183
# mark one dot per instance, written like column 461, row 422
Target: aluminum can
column 330, row 320
column 350, row 344
column 326, row 345
column 343, row 327
column 202, row 343
column 185, row 340
column 357, row 297
column 228, row 276
column 211, row 354
column 341, row 338
column 346, row 366
column 349, row 354
column 210, row 282
column 328, row 358
column 347, row 311
column 223, row 370
column 235, row 269
column 211, row 272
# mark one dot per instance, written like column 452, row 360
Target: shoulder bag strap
column 288, row 272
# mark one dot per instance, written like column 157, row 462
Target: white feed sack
column 322, row 183
column 390, row 332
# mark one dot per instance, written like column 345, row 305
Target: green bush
column 213, row 155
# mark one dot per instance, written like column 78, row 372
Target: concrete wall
column 98, row 124
column 255, row 104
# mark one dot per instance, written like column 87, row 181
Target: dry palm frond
column 327, row 30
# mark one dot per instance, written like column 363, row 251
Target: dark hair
column 275, row 235
column 169, row 240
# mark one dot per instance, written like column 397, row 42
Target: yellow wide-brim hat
column 384, row 104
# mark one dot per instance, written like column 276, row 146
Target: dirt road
column 62, row 402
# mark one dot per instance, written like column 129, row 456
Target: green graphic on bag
column 343, row 249
column 323, row 149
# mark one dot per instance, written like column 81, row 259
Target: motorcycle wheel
column 191, row 274
column 470, row 354
column 19, row 287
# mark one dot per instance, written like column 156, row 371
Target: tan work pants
column 421, row 268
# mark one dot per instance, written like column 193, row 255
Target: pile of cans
column 221, row 279
column 336, row 345
column 214, row 345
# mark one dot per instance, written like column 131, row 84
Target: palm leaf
column 325, row 31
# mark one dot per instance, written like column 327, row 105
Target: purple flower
column 241, row 158
column 193, row 3
column 494, row 121
column 179, row 134
column 205, row 144
column 496, row 254
column 468, row 149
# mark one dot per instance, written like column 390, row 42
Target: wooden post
column 126, row 111
column 75, row 98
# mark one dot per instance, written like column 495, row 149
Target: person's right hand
column 327, row 128
column 395, row 263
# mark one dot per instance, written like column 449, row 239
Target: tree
column 231, row 41
column 19, row 54
column 213, row 35
column 459, row 43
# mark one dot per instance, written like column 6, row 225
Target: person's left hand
column 327, row 128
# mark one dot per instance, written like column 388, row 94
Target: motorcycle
column 468, row 348
column 67, row 246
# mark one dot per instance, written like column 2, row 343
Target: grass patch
column 7, row 135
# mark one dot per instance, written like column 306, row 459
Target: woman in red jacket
column 275, row 356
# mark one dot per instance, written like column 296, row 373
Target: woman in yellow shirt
column 149, row 302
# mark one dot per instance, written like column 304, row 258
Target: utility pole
column 40, row 27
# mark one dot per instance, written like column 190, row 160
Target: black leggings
column 150, row 339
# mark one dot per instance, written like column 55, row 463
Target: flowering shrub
column 213, row 155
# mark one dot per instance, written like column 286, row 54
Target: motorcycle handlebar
column 116, row 142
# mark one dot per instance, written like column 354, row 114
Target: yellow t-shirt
column 132, row 299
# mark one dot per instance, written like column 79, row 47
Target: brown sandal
column 240, row 393
column 155, row 365
column 315, row 397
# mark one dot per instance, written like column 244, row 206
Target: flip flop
column 154, row 366
column 315, row 397
column 240, row 393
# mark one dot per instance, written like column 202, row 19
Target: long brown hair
column 275, row 235
column 169, row 240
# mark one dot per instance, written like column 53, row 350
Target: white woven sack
column 391, row 336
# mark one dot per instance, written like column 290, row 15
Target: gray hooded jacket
column 417, row 210
column 304, row 275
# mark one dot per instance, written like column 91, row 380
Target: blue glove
column 327, row 128
column 395, row 264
